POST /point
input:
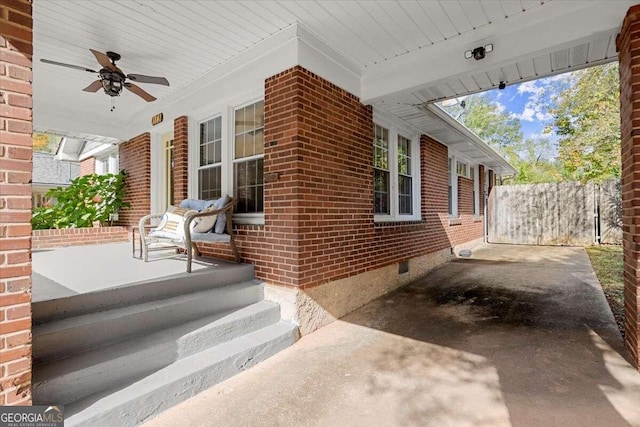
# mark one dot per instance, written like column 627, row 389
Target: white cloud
column 526, row 115
column 530, row 87
column 500, row 108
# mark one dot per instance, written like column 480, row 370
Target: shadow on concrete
column 528, row 328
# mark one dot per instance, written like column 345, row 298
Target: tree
column 587, row 120
column 45, row 143
column 532, row 158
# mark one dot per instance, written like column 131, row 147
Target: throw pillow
column 204, row 224
column 221, row 222
column 172, row 224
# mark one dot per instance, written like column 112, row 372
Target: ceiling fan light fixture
column 112, row 87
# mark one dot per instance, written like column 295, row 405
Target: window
column 461, row 169
column 405, row 186
column 474, row 193
column 381, row 170
column 210, row 163
column 228, row 154
column 396, row 160
column 449, row 180
column 107, row 164
column 248, row 163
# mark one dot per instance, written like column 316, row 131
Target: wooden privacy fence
column 567, row 213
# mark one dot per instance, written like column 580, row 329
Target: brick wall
column 628, row 44
column 318, row 196
column 465, row 196
column 181, row 159
column 15, row 202
column 135, row 159
column 88, row 166
column 42, row 239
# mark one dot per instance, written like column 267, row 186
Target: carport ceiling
column 406, row 51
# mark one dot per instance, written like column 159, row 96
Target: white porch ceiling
column 407, row 51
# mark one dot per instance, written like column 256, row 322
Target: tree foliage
column 45, row 143
column 89, row 198
column 587, row 120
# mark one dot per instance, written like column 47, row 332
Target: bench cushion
column 210, row 237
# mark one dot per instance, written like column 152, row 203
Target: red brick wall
column 628, row 43
column 135, row 159
column 15, row 202
column 78, row 236
column 88, row 166
column 181, row 159
column 319, row 194
column 465, row 196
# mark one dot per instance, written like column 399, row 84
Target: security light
column 479, row 52
column 502, row 85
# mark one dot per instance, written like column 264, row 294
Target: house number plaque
column 157, row 119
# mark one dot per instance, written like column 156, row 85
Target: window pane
column 404, row 195
column 249, row 187
column 249, row 130
column 381, row 192
column 210, row 141
column 210, row 183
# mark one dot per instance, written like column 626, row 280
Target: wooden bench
column 150, row 242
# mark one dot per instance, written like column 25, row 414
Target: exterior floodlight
column 479, row 52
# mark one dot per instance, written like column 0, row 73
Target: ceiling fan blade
column 94, row 87
column 62, row 64
column 104, row 60
column 140, row 78
column 140, row 92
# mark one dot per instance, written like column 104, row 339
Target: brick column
column 15, row 202
column 181, row 159
column 88, row 166
column 481, row 188
column 135, row 159
column 628, row 43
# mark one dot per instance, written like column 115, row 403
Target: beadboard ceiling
column 184, row 40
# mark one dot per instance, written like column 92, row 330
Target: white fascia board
column 102, row 149
column 538, row 30
column 318, row 57
column 472, row 138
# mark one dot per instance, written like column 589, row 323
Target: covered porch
column 282, row 73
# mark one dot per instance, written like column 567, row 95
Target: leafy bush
column 89, row 198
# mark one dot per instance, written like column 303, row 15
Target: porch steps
column 126, row 364
column 76, row 334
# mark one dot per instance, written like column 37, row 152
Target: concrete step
column 140, row 292
column 70, row 379
column 141, row 399
column 78, row 334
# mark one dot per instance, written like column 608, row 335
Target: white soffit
column 399, row 48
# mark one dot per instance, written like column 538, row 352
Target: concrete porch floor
column 63, row 272
column 514, row 336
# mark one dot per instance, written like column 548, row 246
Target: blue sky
column 529, row 103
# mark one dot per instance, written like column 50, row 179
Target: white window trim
column 396, row 128
column 455, row 158
column 107, row 162
column 227, row 111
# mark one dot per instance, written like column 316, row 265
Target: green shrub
column 89, row 198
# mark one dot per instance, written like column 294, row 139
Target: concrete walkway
column 514, row 336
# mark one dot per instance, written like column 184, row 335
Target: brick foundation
column 319, row 224
column 15, row 202
column 42, row 239
column 135, row 159
column 628, row 44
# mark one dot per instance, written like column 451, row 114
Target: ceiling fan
column 112, row 79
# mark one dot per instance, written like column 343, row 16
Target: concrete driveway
column 514, row 336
